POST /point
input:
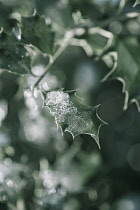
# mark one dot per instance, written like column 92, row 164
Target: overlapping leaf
column 13, row 55
column 35, row 31
column 95, row 41
column 39, row 61
column 128, row 68
column 5, row 21
column 58, row 11
column 72, row 116
column 99, row 40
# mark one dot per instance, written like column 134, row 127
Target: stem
column 55, row 57
column 121, row 6
column 117, row 18
column 62, row 48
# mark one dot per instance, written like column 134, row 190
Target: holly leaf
column 95, row 41
column 73, row 116
column 39, row 60
column 99, row 40
column 6, row 22
column 13, row 55
column 136, row 3
column 58, row 11
column 37, row 32
column 127, row 69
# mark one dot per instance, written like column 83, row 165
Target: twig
column 55, row 57
column 64, row 46
column 122, row 17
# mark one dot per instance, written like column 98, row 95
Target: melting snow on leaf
column 72, row 118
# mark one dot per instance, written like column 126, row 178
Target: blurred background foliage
column 41, row 169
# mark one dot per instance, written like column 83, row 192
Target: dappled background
column 41, row 169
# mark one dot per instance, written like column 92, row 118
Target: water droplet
column 31, row 103
column 26, row 54
column 52, row 191
column 38, row 70
column 4, row 197
column 4, row 139
column 7, row 161
column 36, row 93
column 10, row 183
column 45, row 86
column 1, row 177
column 62, row 191
column 10, row 150
column 27, row 93
column 2, row 114
column 48, row 21
column 19, row 37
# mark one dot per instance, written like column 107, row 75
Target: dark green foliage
column 13, row 55
column 6, row 22
column 48, row 158
column 36, row 32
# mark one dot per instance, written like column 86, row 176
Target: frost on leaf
column 73, row 116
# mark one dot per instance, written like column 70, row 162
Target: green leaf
column 6, row 22
column 39, row 61
column 73, row 116
column 95, row 41
column 128, row 68
column 37, row 32
column 58, row 11
column 136, row 3
column 99, row 40
column 13, row 55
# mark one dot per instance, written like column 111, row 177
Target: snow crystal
column 64, row 111
column 60, row 105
